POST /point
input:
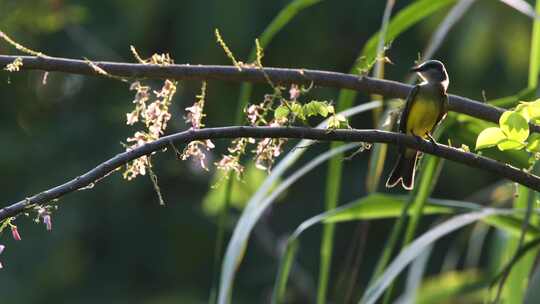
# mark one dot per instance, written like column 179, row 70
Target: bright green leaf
column 297, row 110
column 489, row 137
column 529, row 110
column 331, row 109
column 509, row 144
column 281, row 112
column 314, row 108
column 337, row 121
column 514, row 126
column 322, row 109
column 534, row 109
column 310, row 109
column 523, row 109
column 377, row 206
column 533, row 143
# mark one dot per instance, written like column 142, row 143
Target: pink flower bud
column 15, row 233
column 294, row 92
column 2, row 247
column 47, row 221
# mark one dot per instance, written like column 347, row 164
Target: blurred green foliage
column 114, row 243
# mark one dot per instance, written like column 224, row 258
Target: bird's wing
column 444, row 110
column 408, row 105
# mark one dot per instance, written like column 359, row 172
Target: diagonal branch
column 368, row 85
column 352, row 135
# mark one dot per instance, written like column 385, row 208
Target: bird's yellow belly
column 422, row 117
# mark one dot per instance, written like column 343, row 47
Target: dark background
column 114, row 243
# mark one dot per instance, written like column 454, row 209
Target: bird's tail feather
column 404, row 170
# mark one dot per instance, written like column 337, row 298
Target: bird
column 425, row 107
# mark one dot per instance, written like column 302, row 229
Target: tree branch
column 352, row 135
column 368, row 85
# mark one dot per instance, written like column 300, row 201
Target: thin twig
column 348, row 135
column 387, row 88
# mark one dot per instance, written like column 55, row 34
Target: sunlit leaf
column 297, row 110
column 533, row 143
column 281, row 112
column 315, row 107
column 376, row 206
column 508, row 144
column 337, row 121
column 489, row 137
column 514, row 126
column 529, row 110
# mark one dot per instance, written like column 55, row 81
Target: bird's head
column 432, row 71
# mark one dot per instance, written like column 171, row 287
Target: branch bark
column 368, row 85
column 352, row 135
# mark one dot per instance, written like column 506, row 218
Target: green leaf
column 297, row 110
column 315, row 107
column 533, row 143
column 489, row 137
column 514, row 126
column 310, row 109
column 281, row 112
column 337, row 121
column 509, row 144
column 529, row 110
column 378, row 206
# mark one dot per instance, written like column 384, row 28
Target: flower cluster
column 195, row 150
column 231, row 162
column 194, row 117
column 14, row 66
column 154, row 114
column 269, row 148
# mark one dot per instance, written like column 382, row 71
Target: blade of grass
column 444, row 287
column 426, row 185
column 522, row 6
column 533, row 292
column 375, row 206
column 278, row 23
column 402, row 21
column 419, row 245
column 430, row 172
column 378, row 153
column 456, row 13
column 256, row 205
column 414, row 277
column 245, row 224
column 517, row 278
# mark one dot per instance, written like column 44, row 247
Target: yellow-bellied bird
column 426, row 106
